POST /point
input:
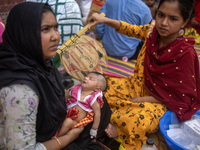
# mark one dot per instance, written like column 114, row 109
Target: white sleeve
column 18, row 111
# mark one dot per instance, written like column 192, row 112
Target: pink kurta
column 88, row 100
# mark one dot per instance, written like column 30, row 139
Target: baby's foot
column 111, row 131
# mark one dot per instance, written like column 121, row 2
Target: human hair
column 186, row 7
column 47, row 8
column 104, row 88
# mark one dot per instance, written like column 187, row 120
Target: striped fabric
column 197, row 48
column 119, row 68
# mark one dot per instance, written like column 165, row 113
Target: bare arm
column 97, row 115
column 149, row 99
column 64, row 140
column 98, row 19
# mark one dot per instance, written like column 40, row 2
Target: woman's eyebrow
column 47, row 25
column 169, row 15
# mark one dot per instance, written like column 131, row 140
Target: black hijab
column 21, row 62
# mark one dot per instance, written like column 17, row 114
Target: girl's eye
column 160, row 15
column 173, row 19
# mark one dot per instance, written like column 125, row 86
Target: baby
column 84, row 104
column 151, row 5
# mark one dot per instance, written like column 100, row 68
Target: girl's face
column 169, row 20
column 49, row 35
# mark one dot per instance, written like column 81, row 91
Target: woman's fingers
column 95, row 18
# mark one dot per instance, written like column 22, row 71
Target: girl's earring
column 181, row 32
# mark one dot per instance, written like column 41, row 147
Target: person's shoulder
column 187, row 44
column 19, row 91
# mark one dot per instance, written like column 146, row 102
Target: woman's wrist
column 55, row 138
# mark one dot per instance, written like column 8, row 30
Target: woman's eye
column 45, row 29
column 56, row 28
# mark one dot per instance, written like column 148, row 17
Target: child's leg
column 67, row 124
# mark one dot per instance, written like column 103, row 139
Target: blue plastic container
column 164, row 123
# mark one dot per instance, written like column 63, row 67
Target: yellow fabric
column 191, row 32
column 133, row 120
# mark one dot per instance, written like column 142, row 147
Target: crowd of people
column 35, row 110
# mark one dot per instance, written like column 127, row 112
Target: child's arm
column 97, row 115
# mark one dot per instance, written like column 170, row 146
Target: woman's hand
column 99, row 19
column 136, row 100
column 96, row 18
column 149, row 99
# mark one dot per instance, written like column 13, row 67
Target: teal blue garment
column 130, row 11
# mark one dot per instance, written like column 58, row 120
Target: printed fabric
column 133, row 120
column 18, row 118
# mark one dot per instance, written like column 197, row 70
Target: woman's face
column 49, row 35
column 169, row 20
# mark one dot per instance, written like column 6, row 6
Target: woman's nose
column 55, row 35
column 164, row 22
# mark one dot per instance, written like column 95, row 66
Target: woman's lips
column 54, row 47
column 162, row 30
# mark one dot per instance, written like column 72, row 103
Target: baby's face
column 90, row 81
column 150, row 3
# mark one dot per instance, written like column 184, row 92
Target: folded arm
column 149, row 99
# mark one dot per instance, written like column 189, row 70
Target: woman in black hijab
column 32, row 103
